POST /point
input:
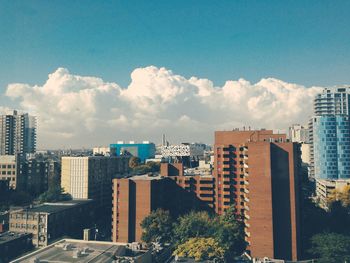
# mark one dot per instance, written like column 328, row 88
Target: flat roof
column 63, row 251
column 146, row 177
column 9, row 236
column 55, row 207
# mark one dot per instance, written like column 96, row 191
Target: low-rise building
column 14, row 244
column 79, row 251
column 50, row 221
column 8, row 170
column 325, row 189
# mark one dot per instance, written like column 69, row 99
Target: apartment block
column 91, row 177
column 136, row 197
column 17, row 133
column 201, row 186
column 50, row 221
column 257, row 172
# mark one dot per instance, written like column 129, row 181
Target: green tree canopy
column 201, row 248
column 53, row 195
column 229, row 232
column 134, row 162
column 157, row 227
column 194, row 224
column 330, row 247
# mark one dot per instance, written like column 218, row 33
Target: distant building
column 298, row 133
column 91, row 177
column 14, row 244
column 50, row 221
column 17, row 133
column 144, row 150
column 329, row 132
column 183, row 150
column 101, row 151
column 328, row 188
column 8, row 170
column 73, row 250
column 331, row 146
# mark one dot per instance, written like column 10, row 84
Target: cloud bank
column 75, row 111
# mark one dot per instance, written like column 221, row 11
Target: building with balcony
column 257, row 172
column 136, row 197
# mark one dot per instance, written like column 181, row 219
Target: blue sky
column 306, row 42
column 303, row 42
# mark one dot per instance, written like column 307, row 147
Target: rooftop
column 9, row 236
column 56, row 207
column 78, row 251
column 146, row 177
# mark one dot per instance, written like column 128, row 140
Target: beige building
column 326, row 188
column 49, row 221
column 90, row 177
column 8, row 170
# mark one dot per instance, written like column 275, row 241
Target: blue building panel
column 142, row 150
column 331, row 137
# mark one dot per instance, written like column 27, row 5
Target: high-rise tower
column 17, row 133
column 329, row 132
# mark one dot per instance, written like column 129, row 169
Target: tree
column 342, row 195
column 201, row 248
column 330, row 247
column 157, row 227
column 194, row 224
column 229, row 232
column 53, row 195
column 153, row 166
column 134, row 162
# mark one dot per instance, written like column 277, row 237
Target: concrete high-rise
column 17, row 133
column 329, row 131
column 258, row 173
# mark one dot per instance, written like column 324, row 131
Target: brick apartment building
column 136, row 197
column 256, row 171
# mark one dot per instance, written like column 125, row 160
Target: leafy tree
column 157, row 227
column 53, row 195
column 134, row 162
column 331, row 247
column 229, row 232
column 342, row 195
column 201, row 248
column 153, row 166
column 194, row 224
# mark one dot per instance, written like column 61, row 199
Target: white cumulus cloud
column 76, row 111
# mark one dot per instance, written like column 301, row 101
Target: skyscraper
column 17, row 133
column 330, row 134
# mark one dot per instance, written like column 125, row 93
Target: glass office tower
column 331, row 141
